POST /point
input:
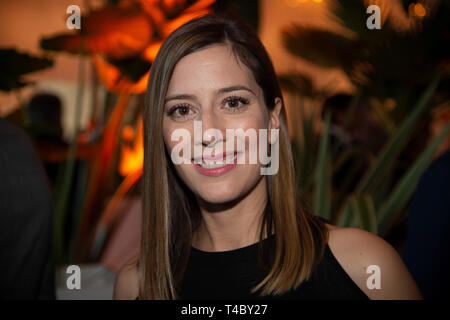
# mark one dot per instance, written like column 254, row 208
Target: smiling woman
column 218, row 228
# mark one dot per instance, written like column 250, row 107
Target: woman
column 223, row 229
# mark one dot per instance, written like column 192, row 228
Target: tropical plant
column 402, row 63
column 392, row 64
column 15, row 65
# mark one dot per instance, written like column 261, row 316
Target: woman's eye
column 180, row 111
column 184, row 111
column 235, row 103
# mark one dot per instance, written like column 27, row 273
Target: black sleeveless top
column 232, row 274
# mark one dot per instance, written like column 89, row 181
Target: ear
column 274, row 116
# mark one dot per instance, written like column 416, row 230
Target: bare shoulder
column 362, row 254
column 126, row 286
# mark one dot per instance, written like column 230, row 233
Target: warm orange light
column 116, row 32
column 317, row 1
column 419, row 10
column 128, row 133
column 151, row 51
column 166, row 14
column 292, row 3
column 179, row 21
column 132, row 157
column 115, row 81
column 199, row 5
column 295, row 3
column 135, row 31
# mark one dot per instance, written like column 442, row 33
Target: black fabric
column 26, row 268
column 232, row 274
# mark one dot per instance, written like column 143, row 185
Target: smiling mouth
column 209, row 162
column 212, row 164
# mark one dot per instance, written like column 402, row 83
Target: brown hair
column 170, row 215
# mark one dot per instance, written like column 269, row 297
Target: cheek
column 184, row 171
column 181, row 136
column 254, row 124
column 167, row 133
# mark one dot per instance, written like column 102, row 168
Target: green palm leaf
column 384, row 161
column 359, row 211
column 405, row 188
column 15, row 65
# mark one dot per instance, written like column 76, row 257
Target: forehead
column 208, row 69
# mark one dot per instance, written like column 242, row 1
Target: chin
column 219, row 194
column 227, row 189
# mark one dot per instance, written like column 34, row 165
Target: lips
column 221, row 159
column 216, row 166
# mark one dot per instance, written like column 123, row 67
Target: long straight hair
column 170, row 212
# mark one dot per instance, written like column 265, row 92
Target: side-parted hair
column 170, row 212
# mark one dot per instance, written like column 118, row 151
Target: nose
column 211, row 128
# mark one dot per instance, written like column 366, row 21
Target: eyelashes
column 233, row 99
column 231, row 104
column 177, row 108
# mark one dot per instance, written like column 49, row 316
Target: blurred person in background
column 26, row 266
column 45, row 129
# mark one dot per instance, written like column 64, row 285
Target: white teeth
column 216, row 164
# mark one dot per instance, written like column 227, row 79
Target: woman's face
column 213, row 87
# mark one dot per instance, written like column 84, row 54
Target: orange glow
column 128, row 133
column 111, row 130
column 137, row 36
column 178, row 22
column 199, row 5
column 295, row 3
column 169, row 7
column 157, row 10
column 291, row 3
column 117, row 32
column 108, row 214
column 132, row 157
column 114, row 81
column 151, row 51
column 419, row 10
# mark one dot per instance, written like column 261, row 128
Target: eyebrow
column 220, row 91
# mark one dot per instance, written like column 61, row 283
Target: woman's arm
column 356, row 250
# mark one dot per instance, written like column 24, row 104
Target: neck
column 230, row 226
